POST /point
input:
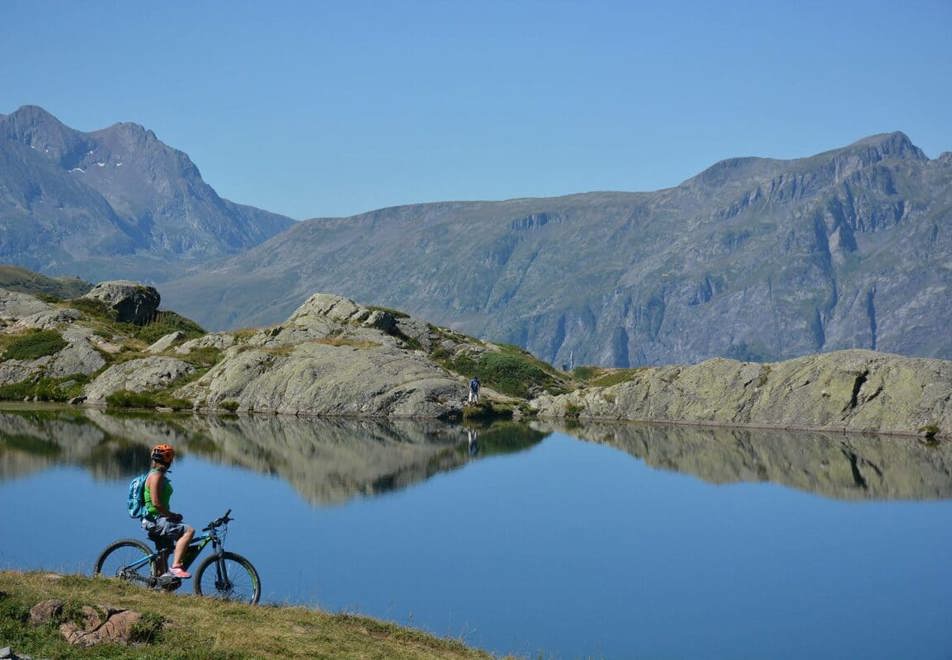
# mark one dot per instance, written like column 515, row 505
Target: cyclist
column 162, row 525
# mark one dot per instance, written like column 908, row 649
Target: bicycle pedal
column 169, row 581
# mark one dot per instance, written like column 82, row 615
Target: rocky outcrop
column 15, row 306
column 140, row 375
column 853, row 390
column 166, row 342
column 132, row 302
column 216, row 340
column 332, row 357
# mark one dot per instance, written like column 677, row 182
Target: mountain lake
column 614, row 541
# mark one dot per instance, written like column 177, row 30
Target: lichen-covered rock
column 854, row 390
column 165, row 342
column 101, row 625
column 15, row 306
column 415, row 330
column 137, row 376
column 79, row 357
column 133, row 302
column 47, row 319
column 326, row 379
column 218, row 340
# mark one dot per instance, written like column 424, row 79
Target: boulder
column 101, row 625
column 133, row 302
column 47, row 319
column 15, row 305
column 140, row 375
column 219, row 340
column 79, row 357
column 165, row 343
column 416, row 330
column 45, row 612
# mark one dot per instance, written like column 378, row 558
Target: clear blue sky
column 317, row 109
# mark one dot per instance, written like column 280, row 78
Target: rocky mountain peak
column 888, row 145
column 73, row 201
column 36, row 128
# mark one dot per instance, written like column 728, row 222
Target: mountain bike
column 225, row 575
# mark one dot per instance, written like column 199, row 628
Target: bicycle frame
column 197, row 543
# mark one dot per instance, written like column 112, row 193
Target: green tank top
column 164, row 497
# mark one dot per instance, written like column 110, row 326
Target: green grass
column 45, row 389
column 49, row 289
column 34, row 344
column 604, row 376
column 186, row 626
column 103, row 320
column 487, row 410
column 510, row 370
column 127, row 399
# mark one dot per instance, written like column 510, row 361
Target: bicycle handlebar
column 224, row 520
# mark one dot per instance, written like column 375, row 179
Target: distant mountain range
column 113, row 202
column 753, row 258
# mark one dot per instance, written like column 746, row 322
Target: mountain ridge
column 780, row 257
column 115, row 201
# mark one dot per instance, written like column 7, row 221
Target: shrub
column 45, row 389
column 35, row 344
column 486, row 410
column 147, row 629
column 127, row 399
column 585, row 372
column 573, row 410
column 229, row 405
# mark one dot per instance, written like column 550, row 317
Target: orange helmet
column 163, row 454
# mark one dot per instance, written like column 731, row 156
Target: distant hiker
column 159, row 521
column 473, row 390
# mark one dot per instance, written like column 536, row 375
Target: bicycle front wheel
column 123, row 559
column 229, row 577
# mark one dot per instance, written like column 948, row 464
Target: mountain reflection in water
column 837, row 465
column 326, row 461
column 332, row 461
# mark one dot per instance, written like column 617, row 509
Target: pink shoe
column 180, row 572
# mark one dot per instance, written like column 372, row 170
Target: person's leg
column 181, row 544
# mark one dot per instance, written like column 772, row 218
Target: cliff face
column 754, row 259
column 841, row 391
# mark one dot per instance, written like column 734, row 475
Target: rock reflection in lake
column 842, row 466
column 326, row 461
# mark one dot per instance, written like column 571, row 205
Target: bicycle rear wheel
column 230, row 578
column 117, row 560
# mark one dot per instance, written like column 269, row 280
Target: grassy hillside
column 15, row 278
column 197, row 627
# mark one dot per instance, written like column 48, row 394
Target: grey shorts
column 164, row 529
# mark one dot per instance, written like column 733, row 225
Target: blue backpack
column 136, row 499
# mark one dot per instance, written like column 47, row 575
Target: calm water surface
column 616, row 541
